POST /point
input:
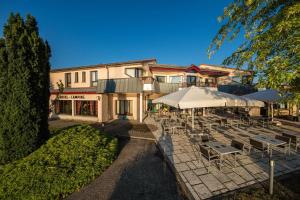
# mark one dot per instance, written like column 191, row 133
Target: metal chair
column 294, row 140
column 286, row 147
column 259, row 146
column 209, row 154
column 241, row 146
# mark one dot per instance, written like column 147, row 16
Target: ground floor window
column 86, row 108
column 63, row 107
column 124, row 107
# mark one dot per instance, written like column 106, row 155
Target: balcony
column 143, row 84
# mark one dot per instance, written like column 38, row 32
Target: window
column 86, row 108
column 161, row 79
column 124, row 107
column 134, row 72
column 76, row 77
column 63, row 107
column 191, row 80
column 83, row 77
column 94, row 77
column 67, row 80
column 175, row 79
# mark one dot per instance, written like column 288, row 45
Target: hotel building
column 124, row 90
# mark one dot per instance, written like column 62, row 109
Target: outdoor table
column 269, row 141
column 223, row 150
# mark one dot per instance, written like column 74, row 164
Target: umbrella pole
column 272, row 112
column 193, row 125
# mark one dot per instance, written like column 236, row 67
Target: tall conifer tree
column 24, row 88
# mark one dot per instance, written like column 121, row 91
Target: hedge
column 67, row 162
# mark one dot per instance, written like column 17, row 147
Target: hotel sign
column 71, row 97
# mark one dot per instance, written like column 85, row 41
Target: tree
column 271, row 45
column 24, row 88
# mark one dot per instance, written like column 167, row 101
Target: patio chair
column 286, row 147
column 294, row 140
column 209, row 154
column 241, row 146
column 204, row 138
column 166, row 129
column 258, row 146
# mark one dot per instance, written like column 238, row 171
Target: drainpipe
column 141, row 107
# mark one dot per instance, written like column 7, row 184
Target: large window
column 68, row 80
column 175, row 79
column 86, row 108
column 134, row 72
column 124, row 107
column 161, row 79
column 191, row 80
column 94, row 78
column 76, row 77
column 83, row 77
column 63, row 107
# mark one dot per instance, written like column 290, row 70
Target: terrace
column 180, row 146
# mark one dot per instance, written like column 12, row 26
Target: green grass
column 69, row 160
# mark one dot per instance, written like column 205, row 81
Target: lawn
column 70, row 159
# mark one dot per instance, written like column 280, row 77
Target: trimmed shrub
column 66, row 163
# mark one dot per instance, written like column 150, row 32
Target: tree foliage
column 24, row 88
column 271, row 45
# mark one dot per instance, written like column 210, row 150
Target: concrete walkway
column 138, row 173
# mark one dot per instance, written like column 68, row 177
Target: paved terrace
column 192, row 172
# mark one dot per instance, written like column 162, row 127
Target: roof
column 211, row 72
column 104, row 65
column 125, row 85
column 88, row 90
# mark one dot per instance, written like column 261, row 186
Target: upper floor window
column 175, row 79
column 83, row 77
column 94, row 78
column 161, row 79
column 76, row 77
column 134, row 72
column 68, row 80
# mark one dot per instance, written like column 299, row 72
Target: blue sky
column 83, row 32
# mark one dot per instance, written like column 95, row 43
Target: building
column 124, row 90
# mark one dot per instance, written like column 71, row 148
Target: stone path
column 192, row 171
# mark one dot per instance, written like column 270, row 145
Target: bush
column 67, row 162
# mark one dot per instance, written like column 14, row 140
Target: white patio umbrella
column 195, row 97
column 269, row 96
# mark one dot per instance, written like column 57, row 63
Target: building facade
column 124, row 90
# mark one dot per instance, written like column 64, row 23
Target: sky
column 86, row 32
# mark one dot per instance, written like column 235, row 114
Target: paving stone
column 231, row 185
column 191, row 177
column 211, row 182
column 236, row 178
column 181, row 167
column 202, row 191
column 184, row 157
column 243, row 173
column 220, row 176
column 201, row 171
column 253, row 168
column 191, row 165
column 198, row 163
column 193, row 192
column 182, row 177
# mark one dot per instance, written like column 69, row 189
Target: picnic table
column 223, row 150
column 269, row 141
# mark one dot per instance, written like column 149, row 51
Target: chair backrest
column 237, row 144
column 205, row 138
column 256, row 144
column 204, row 151
column 283, row 138
column 293, row 138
